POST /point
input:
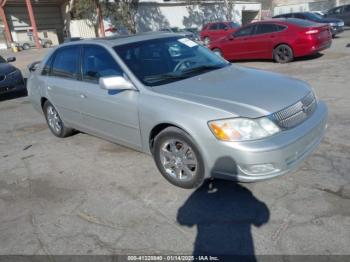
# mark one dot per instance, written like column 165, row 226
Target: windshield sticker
column 187, row 42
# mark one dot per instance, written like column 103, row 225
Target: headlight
column 333, row 24
column 341, row 24
column 243, row 129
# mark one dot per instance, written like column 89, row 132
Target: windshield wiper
column 163, row 77
column 202, row 68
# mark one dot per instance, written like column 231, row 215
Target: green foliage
column 119, row 12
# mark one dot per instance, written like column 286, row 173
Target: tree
column 118, row 12
column 229, row 5
column 122, row 12
column 89, row 10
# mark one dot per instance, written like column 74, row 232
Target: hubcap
column 283, row 53
column 53, row 119
column 178, row 159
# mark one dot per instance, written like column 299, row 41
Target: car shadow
column 223, row 212
column 303, row 58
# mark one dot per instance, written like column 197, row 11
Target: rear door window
column 98, row 62
column 245, row 31
column 265, row 29
column 213, row 27
column 222, row 26
column 66, row 62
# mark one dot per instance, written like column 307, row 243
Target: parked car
column 216, row 30
column 198, row 115
column 278, row 39
column 71, row 39
column 183, row 32
column 337, row 25
column 194, row 31
column 11, row 79
column 341, row 12
column 25, row 45
column 321, row 13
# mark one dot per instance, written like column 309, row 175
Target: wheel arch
column 42, row 101
column 159, row 128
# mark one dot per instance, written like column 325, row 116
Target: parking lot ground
column 83, row 195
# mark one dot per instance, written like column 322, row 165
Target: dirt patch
column 113, row 148
column 31, row 129
column 8, row 107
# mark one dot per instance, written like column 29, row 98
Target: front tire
column 217, row 51
column 55, row 122
column 283, row 54
column 178, row 158
column 206, row 41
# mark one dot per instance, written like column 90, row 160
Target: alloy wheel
column 283, row 53
column 53, row 119
column 178, row 159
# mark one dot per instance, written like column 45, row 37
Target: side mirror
column 230, row 37
column 115, row 83
column 226, row 28
column 11, row 59
column 33, row 66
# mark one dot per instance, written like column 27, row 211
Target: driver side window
column 97, row 62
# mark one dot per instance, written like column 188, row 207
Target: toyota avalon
column 198, row 115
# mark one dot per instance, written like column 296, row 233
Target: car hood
column 6, row 68
column 239, row 90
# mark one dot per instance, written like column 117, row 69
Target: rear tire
column 54, row 121
column 178, row 158
column 283, row 54
column 26, row 46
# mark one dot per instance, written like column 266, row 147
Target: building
column 289, row 6
column 22, row 18
column 31, row 20
column 156, row 14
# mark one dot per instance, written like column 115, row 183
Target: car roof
column 274, row 21
column 285, row 21
column 124, row 39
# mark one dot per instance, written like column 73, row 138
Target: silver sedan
column 196, row 114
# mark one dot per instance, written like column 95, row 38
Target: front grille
column 296, row 113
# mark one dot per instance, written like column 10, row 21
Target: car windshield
column 314, row 17
column 2, row 60
column 161, row 61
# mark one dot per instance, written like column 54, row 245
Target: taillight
column 312, row 31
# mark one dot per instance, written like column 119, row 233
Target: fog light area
column 259, row 169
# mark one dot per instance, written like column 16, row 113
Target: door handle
column 49, row 88
column 82, row 96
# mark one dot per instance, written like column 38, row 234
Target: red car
column 278, row 39
column 216, row 30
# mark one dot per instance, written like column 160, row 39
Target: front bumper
column 12, row 82
column 284, row 151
